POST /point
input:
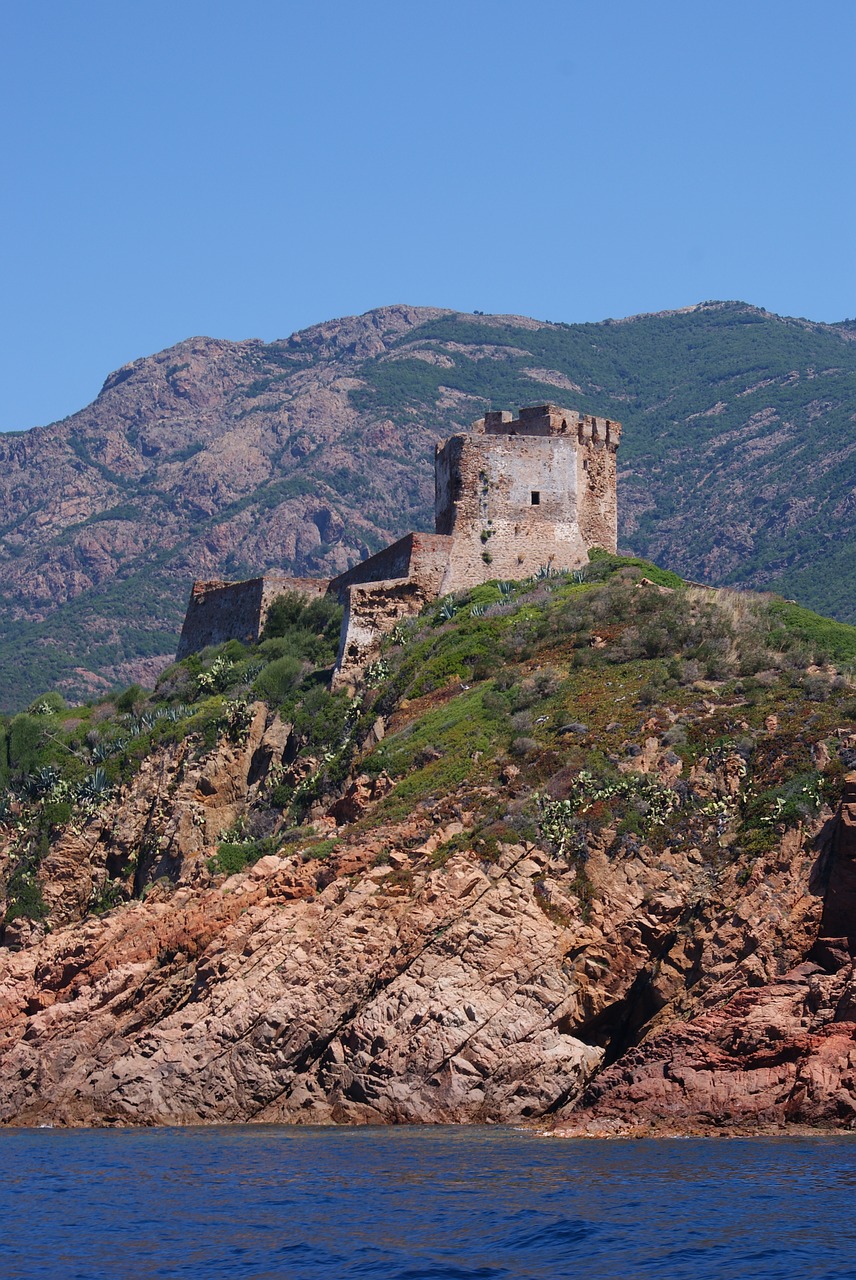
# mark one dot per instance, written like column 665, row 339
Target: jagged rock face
column 278, row 1000
column 766, row 1042
column 384, row 984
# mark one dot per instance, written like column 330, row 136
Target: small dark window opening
column 536, row 498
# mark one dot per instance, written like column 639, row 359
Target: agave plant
column 544, row 571
column 40, row 783
column 478, row 611
column 95, row 787
column 172, row 715
column 447, row 610
column 505, row 589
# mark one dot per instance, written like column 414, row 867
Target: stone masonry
column 511, row 495
column 220, row 611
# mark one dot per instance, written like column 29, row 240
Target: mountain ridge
column 219, row 458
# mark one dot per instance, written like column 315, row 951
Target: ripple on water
column 420, row 1204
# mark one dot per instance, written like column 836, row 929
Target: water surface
column 421, row 1204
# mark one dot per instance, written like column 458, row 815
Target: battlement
column 550, row 420
column 511, row 495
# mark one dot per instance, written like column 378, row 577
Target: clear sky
column 245, row 169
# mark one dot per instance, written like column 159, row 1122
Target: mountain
column 229, row 459
column 580, row 851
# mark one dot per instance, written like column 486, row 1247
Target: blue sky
column 245, row 170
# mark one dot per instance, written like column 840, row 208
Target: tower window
column 536, row 498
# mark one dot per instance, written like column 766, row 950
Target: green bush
column 24, row 895
column 47, row 704
column 25, row 737
column 278, row 679
column 127, row 701
column 233, row 855
column 312, row 628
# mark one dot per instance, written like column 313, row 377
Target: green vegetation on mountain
column 738, row 430
column 614, row 702
column 305, row 455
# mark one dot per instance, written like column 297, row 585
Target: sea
column 426, row 1203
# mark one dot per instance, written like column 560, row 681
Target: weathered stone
column 511, row 497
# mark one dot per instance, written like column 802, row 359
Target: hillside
column 218, row 458
column 580, row 851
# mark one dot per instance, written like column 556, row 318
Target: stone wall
column 511, row 495
column 510, row 505
column 220, row 611
column 420, row 564
column 371, row 611
column 597, row 484
column 393, row 562
column 518, row 493
column 420, row 555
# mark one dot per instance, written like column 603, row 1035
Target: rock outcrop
column 771, row 1041
column 413, row 975
column 536, row 869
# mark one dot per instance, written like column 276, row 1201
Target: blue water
column 421, row 1204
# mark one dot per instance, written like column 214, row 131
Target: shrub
column 238, row 850
column 277, row 680
column 24, row 894
column 25, row 737
column 47, row 704
column 322, row 849
column 129, row 699
column 311, row 629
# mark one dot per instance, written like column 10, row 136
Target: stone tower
column 514, row 494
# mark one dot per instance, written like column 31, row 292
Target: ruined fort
column 510, row 495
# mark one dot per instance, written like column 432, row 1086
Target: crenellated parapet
column 511, row 495
column 551, row 420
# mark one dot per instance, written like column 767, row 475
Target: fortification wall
column 371, row 611
column 392, row 562
column 373, row 606
column 597, row 483
column 219, row 611
column 415, row 555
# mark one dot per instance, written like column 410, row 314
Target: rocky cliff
column 580, row 852
column 230, row 459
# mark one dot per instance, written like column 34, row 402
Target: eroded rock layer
column 580, row 852
column 387, row 984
